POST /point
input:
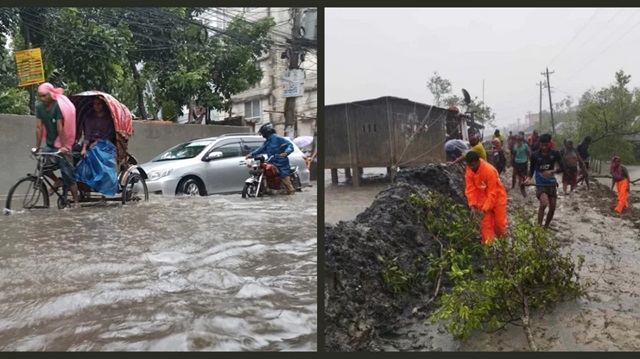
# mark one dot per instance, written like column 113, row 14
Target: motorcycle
column 265, row 176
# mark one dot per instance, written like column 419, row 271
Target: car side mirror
column 214, row 155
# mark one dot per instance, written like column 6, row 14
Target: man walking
column 571, row 161
column 543, row 165
column 534, row 141
column 583, row 152
column 499, row 160
column 486, row 197
column 519, row 161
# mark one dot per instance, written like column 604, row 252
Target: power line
column 576, row 35
column 605, row 50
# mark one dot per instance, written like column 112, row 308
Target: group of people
column 533, row 158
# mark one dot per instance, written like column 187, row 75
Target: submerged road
column 215, row 273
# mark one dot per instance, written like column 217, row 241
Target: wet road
column 216, row 273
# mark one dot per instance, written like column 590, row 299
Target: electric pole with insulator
column 294, row 64
column 553, row 125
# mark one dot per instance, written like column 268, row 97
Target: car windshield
column 183, row 151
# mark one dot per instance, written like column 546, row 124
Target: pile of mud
column 358, row 308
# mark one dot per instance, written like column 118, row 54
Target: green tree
column 611, row 114
column 122, row 50
column 439, row 87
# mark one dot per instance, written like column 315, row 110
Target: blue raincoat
column 271, row 147
column 99, row 168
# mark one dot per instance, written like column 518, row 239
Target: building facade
column 265, row 102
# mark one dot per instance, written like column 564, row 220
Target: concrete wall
column 17, row 137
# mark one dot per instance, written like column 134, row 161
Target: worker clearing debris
column 543, row 165
column 475, row 146
column 620, row 179
column 486, row 196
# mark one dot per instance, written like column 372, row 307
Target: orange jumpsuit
column 485, row 191
column 623, row 192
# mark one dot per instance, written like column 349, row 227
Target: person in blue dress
column 273, row 146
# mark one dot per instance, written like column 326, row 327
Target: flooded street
column 216, row 273
column 343, row 202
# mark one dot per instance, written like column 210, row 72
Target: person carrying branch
column 620, row 178
column 486, row 196
column 543, row 165
column 571, row 160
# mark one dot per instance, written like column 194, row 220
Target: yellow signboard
column 30, row 69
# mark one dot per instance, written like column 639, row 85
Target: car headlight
column 156, row 175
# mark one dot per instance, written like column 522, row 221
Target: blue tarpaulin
column 99, row 168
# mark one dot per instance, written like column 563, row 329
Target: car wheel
column 191, row 187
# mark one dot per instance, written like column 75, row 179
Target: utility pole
column 540, row 113
column 553, row 126
column 294, row 63
column 482, row 90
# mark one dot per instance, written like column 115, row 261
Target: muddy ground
column 361, row 314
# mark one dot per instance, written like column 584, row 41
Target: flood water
column 216, row 273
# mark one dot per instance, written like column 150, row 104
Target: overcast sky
column 377, row 52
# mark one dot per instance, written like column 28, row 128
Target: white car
column 215, row 165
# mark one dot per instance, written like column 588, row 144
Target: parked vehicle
column 266, row 176
column 215, row 165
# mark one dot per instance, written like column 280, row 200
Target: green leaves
column 397, row 280
column 499, row 284
column 14, row 101
column 94, row 48
column 610, row 113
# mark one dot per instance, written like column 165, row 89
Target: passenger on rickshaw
column 98, row 167
column 97, row 126
column 51, row 120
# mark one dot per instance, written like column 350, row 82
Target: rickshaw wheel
column 62, row 202
column 128, row 191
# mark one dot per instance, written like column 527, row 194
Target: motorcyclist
column 273, row 147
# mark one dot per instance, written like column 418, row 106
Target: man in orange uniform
column 620, row 178
column 486, row 196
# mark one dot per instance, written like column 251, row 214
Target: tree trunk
column 139, row 90
column 526, row 321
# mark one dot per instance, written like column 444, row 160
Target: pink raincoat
column 68, row 113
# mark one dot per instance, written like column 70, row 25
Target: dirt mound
column 358, row 308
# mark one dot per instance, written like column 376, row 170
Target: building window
column 253, row 111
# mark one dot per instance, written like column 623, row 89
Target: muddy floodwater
column 216, row 273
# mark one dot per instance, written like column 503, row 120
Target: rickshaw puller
column 50, row 118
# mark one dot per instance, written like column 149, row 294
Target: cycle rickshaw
column 32, row 191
